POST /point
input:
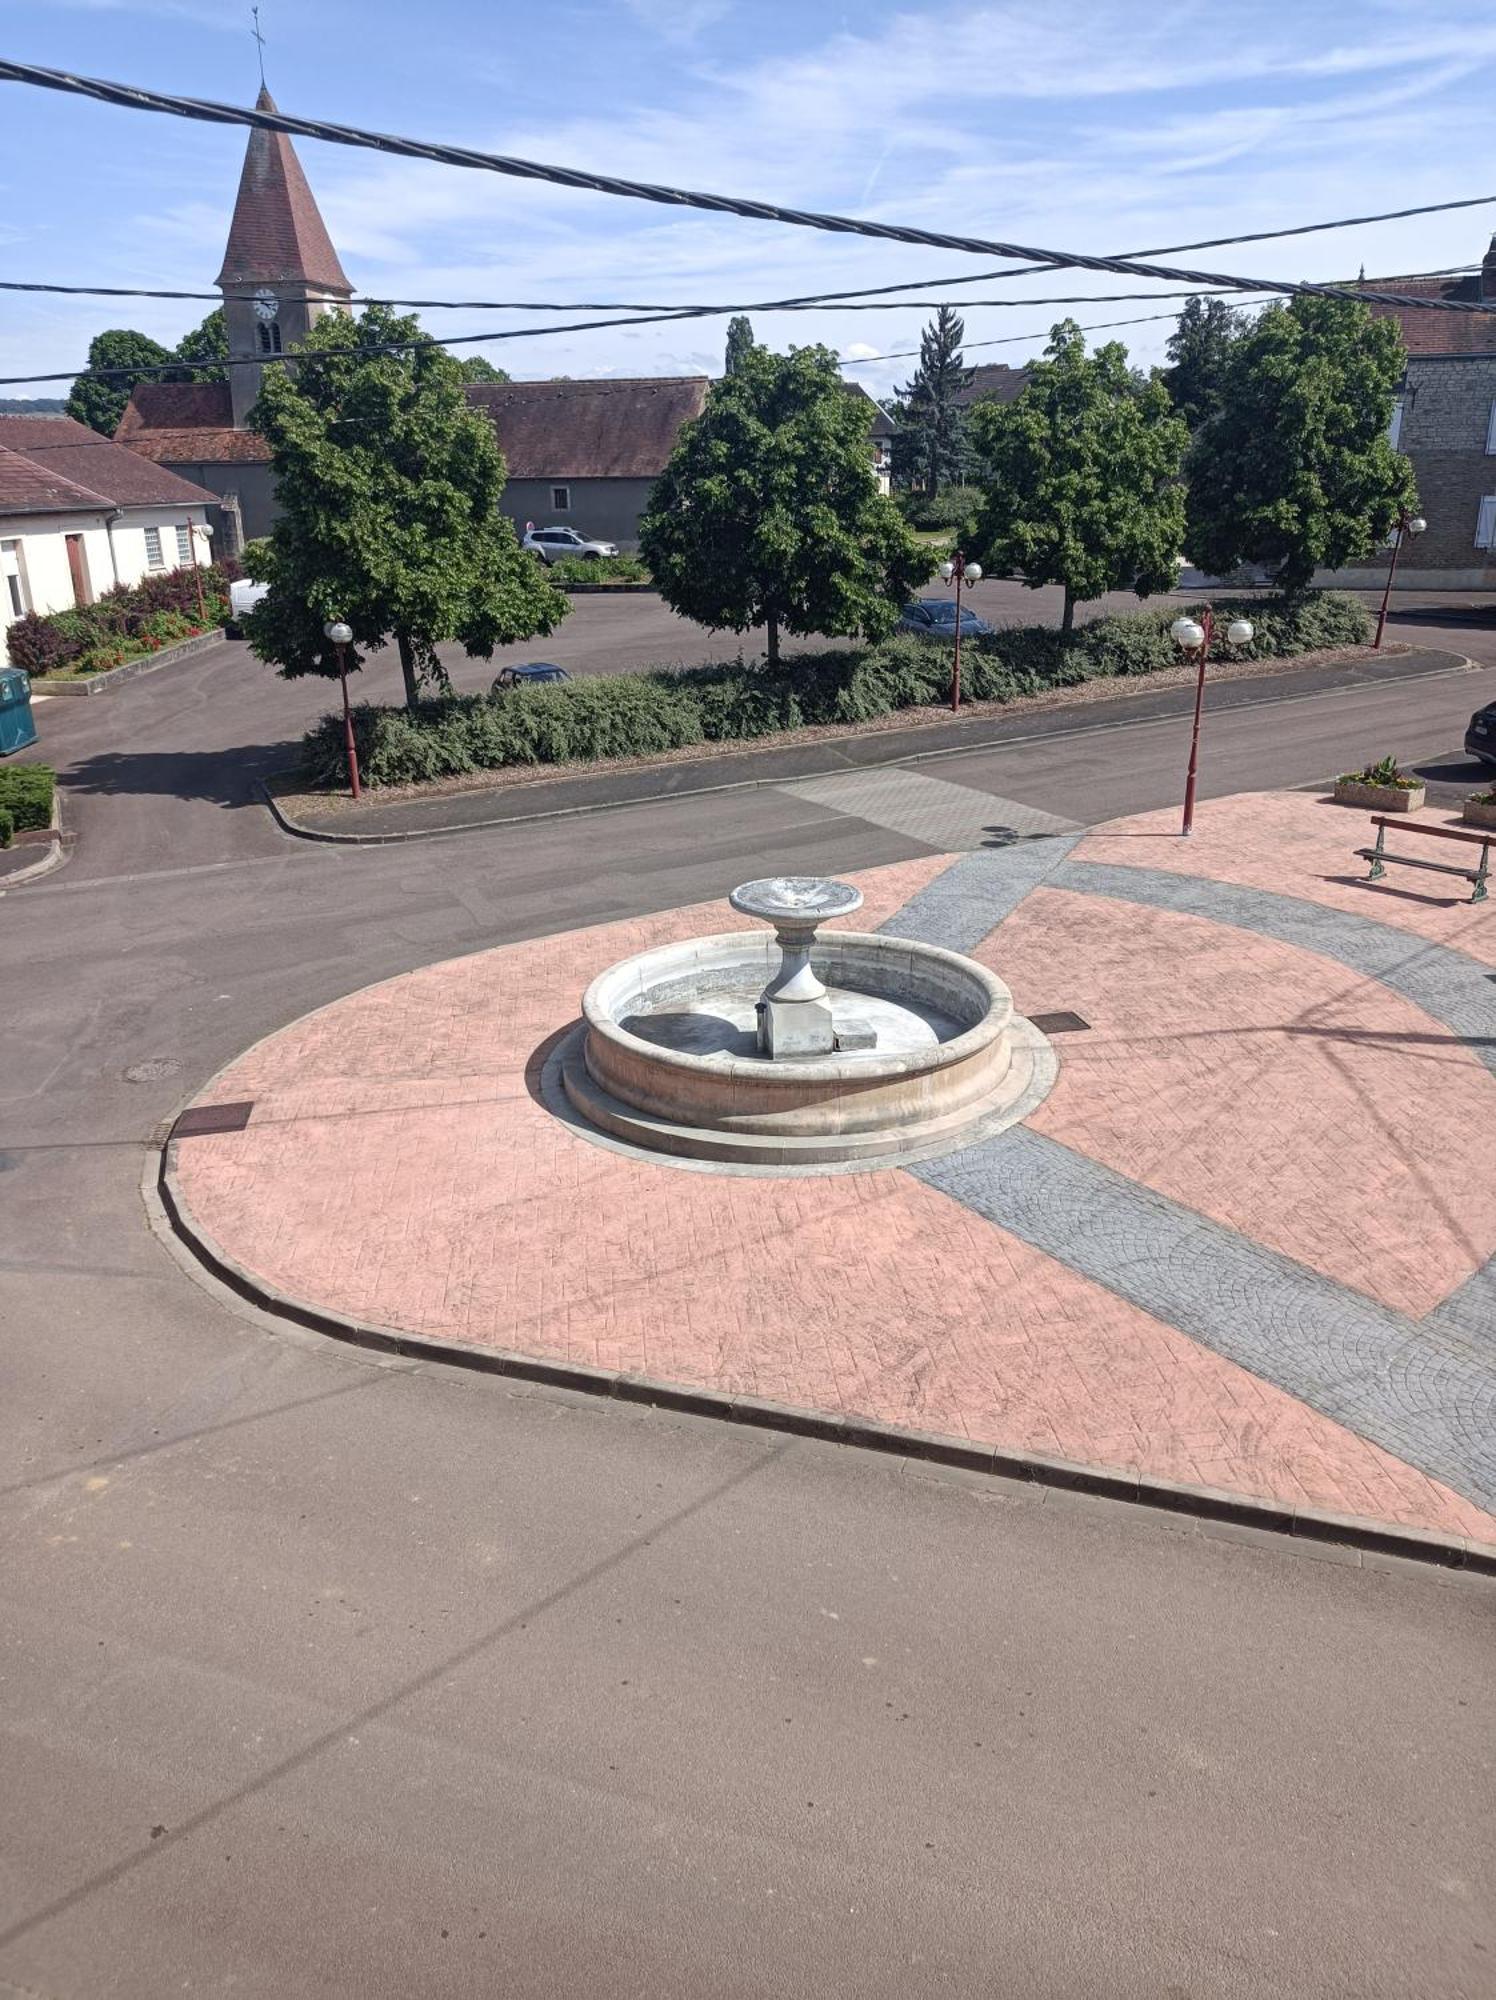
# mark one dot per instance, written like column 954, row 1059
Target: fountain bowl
column 666, row 1059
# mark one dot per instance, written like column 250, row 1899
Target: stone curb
column 1208, row 1503
column 58, row 842
column 299, row 830
column 132, row 669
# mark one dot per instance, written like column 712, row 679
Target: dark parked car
column 1480, row 737
column 539, row 670
column 935, row 618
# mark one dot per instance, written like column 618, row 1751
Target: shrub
column 127, row 620
column 635, row 715
column 598, row 569
column 26, row 794
column 7, row 826
column 952, row 507
column 1386, row 771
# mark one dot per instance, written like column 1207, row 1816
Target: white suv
column 554, row 544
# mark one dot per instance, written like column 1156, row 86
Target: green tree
column 768, row 512
column 204, row 350
column 99, row 401
column 1081, row 483
column 388, row 486
column 1199, row 355
column 739, row 342
column 929, row 442
column 476, row 368
column 1295, row 471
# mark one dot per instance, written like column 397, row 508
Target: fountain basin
column 667, row 1057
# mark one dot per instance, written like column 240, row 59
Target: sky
column 1092, row 125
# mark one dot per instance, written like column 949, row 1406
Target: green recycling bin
column 17, row 729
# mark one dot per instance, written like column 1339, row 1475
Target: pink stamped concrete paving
column 398, row 1169
column 1299, row 844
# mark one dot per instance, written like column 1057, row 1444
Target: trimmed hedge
column 7, row 826
column 598, row 569
column 126, row 622
column 640, row 715
column 26, row 795
column 952, row 507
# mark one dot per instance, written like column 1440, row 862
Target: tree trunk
column 1067, row 622
column 408, row 670
column 772, row 621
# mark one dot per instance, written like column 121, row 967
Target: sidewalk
column 1246, row 1244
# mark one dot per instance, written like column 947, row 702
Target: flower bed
column 126, row 623
column 1383, row 786
column 630, row 715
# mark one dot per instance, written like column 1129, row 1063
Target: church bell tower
column 280, row 272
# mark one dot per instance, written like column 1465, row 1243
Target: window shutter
column 1491, row 431
column 1394, row 429
column 1485, row 526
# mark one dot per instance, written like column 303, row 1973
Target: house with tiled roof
column 1445, row 421
column 79, row 515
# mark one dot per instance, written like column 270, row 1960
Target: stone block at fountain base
column 789, row 1028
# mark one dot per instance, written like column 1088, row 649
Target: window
column 1394, row 429
column 153, row 556
column 184, row 547
column 1485, row 523
column 270, row 336
column 1491, row 431
column 14, row 573
column 561, row 499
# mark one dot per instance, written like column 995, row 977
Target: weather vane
column 259, row 44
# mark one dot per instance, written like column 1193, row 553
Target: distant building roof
column 993, row 382
column 608, row 429
column 72, row 455
column 880, row 423
column 29, row 488
column 277, row 235
column 1443, row 332
column 187, row 423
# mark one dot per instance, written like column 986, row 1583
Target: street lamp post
column 958, row 571
column 1408, row 524
column 1195, row 638
column 341, row 637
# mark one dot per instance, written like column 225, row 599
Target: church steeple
column 280, row 270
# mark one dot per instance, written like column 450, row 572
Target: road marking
column 951, row 818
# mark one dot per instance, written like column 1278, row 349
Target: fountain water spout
column 794, row 1013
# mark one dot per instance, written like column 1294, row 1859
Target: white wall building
column 79, row 515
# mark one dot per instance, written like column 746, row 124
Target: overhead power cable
column 131, row 97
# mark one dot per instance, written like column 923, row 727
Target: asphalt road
column 325, row 1674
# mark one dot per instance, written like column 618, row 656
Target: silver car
column 555, row 544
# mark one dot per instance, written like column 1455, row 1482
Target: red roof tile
column 277, row 234
column 619, row 429
column 79, row 457
column 29, row 488
column 1443, row 332
column 187, row 423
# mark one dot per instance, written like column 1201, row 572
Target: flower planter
column 1479, row 812
column 1378, row 798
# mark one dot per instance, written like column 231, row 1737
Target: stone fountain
column 797, row 1050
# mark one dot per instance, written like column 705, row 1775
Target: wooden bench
column 1379, row 857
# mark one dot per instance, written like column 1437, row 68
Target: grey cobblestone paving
column 1425, row 1391
column 1452, row 988
column 974, row 894
column 949, row 817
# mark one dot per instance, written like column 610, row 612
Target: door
column 78, row 569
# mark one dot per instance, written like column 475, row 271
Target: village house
column 79, row 515
column 1445, row 421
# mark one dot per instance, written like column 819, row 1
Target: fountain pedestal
column 794, row 1013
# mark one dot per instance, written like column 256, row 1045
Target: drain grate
column 205, row 1118
column 1060, row 1024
